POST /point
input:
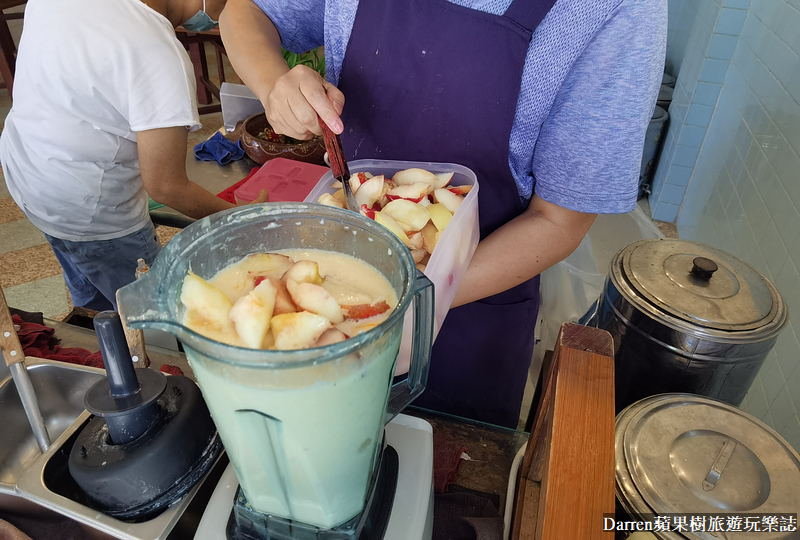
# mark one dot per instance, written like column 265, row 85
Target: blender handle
column 403, row 393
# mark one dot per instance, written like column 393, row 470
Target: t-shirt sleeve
column 588, row 154
column 161, row 90
column 300, row 23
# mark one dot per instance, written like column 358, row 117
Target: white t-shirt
column 89, row 75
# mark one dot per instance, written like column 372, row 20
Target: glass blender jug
column 303, row 429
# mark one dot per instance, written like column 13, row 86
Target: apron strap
column 529, row 13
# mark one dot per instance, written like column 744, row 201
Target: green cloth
column 153, row 205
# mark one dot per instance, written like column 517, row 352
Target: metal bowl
column 261, row 151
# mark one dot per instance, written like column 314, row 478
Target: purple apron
column 428, row 80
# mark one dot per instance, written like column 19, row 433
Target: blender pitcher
column 303, row 429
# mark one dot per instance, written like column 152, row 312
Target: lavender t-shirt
column 589, row 86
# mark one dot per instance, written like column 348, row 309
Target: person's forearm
column 253, row 45
column 191, row 200
column 518, row 251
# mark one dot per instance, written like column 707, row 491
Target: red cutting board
column 284, row 180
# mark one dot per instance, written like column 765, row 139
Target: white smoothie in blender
column 304, row 440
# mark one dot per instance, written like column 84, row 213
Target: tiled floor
column 29, row 272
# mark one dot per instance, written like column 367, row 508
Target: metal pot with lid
column 686, row 317
column 686, row 454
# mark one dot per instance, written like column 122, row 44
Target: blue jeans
column 94, row 270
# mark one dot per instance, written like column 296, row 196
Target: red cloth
column 37, row 340
column 171, row 370
column 446, row 461
column 227, row 195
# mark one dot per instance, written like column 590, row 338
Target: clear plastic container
column 454, row 251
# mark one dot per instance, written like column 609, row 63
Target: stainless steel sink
column 59, row 390
column 29, row 479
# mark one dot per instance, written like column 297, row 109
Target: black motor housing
column 150, row 440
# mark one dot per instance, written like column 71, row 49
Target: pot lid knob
column 704, row 268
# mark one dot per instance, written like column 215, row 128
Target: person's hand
column 297, row 98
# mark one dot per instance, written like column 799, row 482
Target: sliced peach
column 448, row 198
column 389, row 222
column 415, row 240
column 329, row 200
column 339, row 196
column 428, row 234
column 304, row 272
column 336, row 184
column 300, row 330
column 418, row 255
column 366, row 311
column 283, row 300
column 442, row 180
column 440, row 215
column 251, row 314
column 370, row 191
column 313, row 298
column 408, row 213
column 266, row 264
column 330, row 336
column 207, row 307
column 412, row 192
column 413, row 176
column 460, row 190
column 421, row 267
column 426, row 202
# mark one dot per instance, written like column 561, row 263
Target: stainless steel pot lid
column 688, row 454
column 702, row 285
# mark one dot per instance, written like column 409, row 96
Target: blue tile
column 678, row 176
column 730, row 21
column 714, row 70
column 685, row 156
column 699, row 115
column 666, row 212
column 707, row 93
column 672, row 194
column 737, row 4
column 722, row 46
column 692, row 136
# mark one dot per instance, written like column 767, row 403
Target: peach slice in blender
column 207, row 309
column 266, row 264
column 313, row 298
column 251, row 314
column 304, row 272
column 299, row 330
column 330, row 336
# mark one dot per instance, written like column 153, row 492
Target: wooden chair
column 566, row 480
column 8, row 58
column 195, row 45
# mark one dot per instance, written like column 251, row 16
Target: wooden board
column 566, row 480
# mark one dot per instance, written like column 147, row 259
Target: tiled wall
column 743, row 193
column 705, row 38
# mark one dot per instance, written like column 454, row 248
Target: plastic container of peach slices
column 454, row 250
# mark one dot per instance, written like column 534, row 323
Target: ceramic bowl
column 261, row 151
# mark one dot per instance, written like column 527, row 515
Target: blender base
column 411, row 515
column 248, row 524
